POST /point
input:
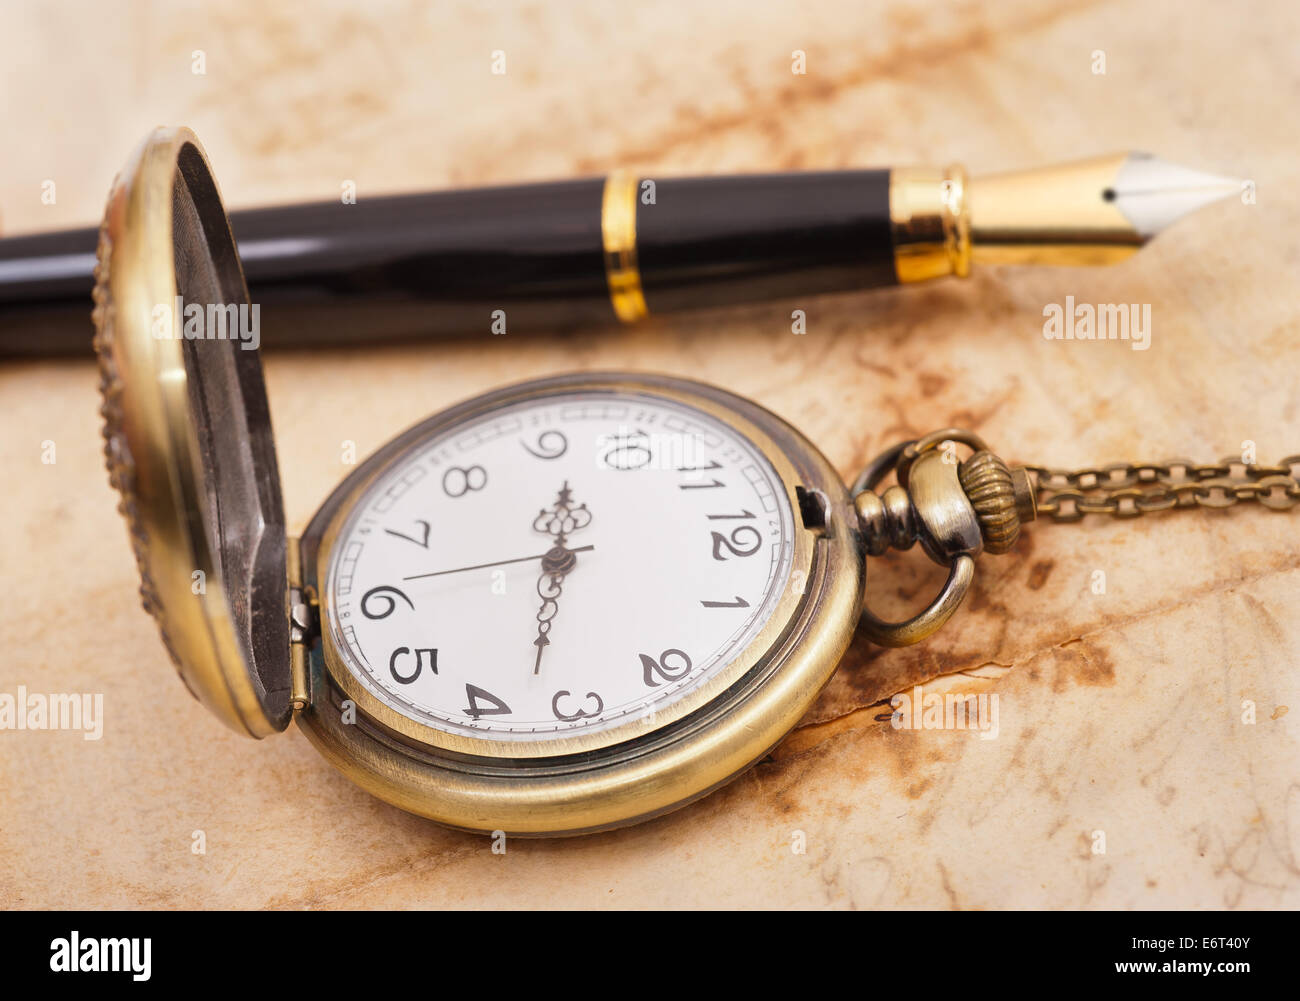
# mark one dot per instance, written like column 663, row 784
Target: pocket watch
column 559, row 607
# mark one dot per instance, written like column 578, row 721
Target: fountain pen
column 550, row 256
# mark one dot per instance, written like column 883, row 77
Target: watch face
column 557, row 566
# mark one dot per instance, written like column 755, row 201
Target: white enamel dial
column 561, row 565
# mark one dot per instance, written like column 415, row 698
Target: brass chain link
column 1130, row 490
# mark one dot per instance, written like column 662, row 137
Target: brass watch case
column 187, row 432
column 189, row 446
column 630, row 772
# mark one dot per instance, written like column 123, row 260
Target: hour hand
column 562, row 518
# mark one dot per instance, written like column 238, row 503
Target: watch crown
column 1002, row 497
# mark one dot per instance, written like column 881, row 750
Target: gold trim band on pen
column 618, row 234
column 929, row 214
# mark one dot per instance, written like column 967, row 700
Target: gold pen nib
column 1089, row 212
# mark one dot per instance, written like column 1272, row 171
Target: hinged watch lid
column 188, row 434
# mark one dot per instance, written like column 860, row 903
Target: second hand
column 498, row 563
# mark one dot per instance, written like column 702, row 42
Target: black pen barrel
column 715, row 241
column 501, row 260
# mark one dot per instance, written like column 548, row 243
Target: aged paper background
column 1119, row 713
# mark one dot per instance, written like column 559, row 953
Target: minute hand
column 498, row 563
